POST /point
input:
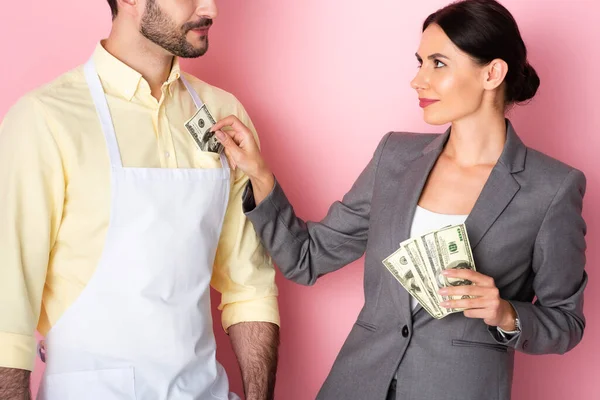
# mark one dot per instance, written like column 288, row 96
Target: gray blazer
column 526, row 231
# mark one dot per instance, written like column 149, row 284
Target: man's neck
column 137, row 52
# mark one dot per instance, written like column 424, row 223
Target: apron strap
column 199, row 104
column 224, row 162
column 93, row 81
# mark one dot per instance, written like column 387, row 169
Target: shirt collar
column 122, row 78
column 174, row 75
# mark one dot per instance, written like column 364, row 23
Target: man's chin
column 195, row 49
column 193, row 52
column 195, row 43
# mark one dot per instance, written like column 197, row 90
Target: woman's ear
column 494, row 74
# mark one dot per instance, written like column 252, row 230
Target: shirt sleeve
column 31, row 200
column 243, row 271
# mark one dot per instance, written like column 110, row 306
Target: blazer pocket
column 114, row 384
column 366, row 325
column 489, row 346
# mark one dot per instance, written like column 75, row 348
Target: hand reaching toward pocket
column 242, row 152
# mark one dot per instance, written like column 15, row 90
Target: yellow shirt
column 55, row 196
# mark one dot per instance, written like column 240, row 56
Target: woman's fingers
column 468, row 290
column 470, row 275
column 480, row 313
column 478, row 302
column 237, row 127
column 232, row 150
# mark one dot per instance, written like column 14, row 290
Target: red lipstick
column 426, row 102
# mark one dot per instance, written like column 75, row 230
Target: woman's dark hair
column 486, row 30
column 113, row 7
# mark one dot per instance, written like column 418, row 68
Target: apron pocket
column 104, row 384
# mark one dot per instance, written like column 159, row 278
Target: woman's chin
column 433, row 119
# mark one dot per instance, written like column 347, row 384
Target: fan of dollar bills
column 419, row 262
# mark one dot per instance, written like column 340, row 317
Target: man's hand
column 14, row 384
column 256, row 345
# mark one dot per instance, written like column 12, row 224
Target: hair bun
column 526, row 85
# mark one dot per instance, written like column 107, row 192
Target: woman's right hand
column 242, row 152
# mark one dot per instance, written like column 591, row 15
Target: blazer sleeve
column 305, row 251
column 554, row 324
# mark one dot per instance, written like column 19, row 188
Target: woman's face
column 449, row 82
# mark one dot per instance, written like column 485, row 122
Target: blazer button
column 405, row 331
column 525, row 344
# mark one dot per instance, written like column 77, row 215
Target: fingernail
column 446, row 272
column 220, row 135
column 444, row 304
column 443, row 291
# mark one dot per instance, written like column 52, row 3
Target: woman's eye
column 439, row 64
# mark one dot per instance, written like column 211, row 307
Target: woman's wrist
column 262, row 185
column 509, row 321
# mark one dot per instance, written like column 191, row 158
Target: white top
column 426, row 221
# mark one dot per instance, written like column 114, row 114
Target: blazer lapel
column 500, row 188
column 412, row 176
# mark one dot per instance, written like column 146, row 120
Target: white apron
column 142, row 327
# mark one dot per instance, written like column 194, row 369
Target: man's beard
column 157, row 27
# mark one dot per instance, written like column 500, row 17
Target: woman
column 522, row 211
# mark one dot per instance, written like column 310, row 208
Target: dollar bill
column 199, row 126
column 419, row 262
column 415, row 256
column 447, row 248
column 453, row 249
column 402, row 269
column 432, row 268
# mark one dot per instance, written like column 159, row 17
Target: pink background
column 323, row 81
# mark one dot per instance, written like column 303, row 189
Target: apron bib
column 142, row 327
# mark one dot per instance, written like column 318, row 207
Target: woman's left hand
column 486, row 304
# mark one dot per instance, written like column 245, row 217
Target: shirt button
column 405, row 331
column 167, row 154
